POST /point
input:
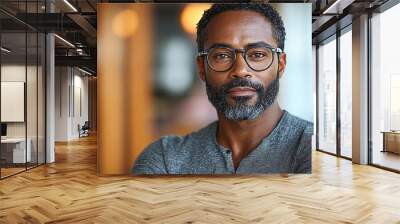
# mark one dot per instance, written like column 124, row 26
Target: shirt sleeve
column 303, row 161
column 151, row 160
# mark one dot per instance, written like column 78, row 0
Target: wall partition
column 22, row 88
column 13, row 145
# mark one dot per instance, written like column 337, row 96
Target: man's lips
column 241, row 91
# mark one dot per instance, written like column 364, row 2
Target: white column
column 360, row 90
column 50, row 100
column 50, row 92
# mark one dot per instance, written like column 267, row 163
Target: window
column 385, row 89
column 346, row 94
column 327, row 96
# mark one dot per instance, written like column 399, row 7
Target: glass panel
column 31, row 100
column 346, row 94
column 13, row 90
column 41, row 57
column 41, row 98
column 31, row 86
column 327, row 97
column 22, row 89
column 386, row 89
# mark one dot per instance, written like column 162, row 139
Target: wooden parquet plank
column 69, row 191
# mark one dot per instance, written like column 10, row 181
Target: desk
column 15, row 148
column 391, row 141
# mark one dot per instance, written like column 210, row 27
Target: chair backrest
column 86, row 125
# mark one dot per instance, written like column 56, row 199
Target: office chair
column 84, row 130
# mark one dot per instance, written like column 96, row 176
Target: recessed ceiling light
column 84, row 71
column 5, row 50
column 64, row 40
column 71, row 6
column 337, row 7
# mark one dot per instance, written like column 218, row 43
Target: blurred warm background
column 147, row 79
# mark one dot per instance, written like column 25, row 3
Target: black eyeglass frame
column 243, row 51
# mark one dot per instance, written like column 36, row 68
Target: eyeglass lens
column 222, row 59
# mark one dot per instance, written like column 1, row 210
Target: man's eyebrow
column 220, row 45
column 258, row 44
column 255, row 44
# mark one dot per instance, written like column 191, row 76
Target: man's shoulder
column 301, row 131
column 173, row 152
column 298, row 123
column 175, row 142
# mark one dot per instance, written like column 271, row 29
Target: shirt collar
column 275, row 131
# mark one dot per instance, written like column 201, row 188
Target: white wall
column 33, row 126
column 62, row 81
column 17, row 73
column 70, row 83
column 11, row 73
column 81, row 85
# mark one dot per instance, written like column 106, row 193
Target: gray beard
column 241, row 110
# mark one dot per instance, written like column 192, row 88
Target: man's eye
column 258, row 55
column 222, row 56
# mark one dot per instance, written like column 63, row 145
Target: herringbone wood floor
column 69, row 191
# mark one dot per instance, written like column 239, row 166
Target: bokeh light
column 191, row 15
column 125, row 23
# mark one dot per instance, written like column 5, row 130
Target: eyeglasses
column 222, row 59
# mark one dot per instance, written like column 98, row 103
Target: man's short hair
column 278, row 29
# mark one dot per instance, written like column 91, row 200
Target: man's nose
column 240, row 68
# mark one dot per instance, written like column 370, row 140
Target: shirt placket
column 228, row 159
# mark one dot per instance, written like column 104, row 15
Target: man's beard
column 241, row 110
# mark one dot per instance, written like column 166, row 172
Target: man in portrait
column 241, row 59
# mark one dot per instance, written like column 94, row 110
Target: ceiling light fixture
column 5, row 50
column 70, row 5
column 337, row 7
column 329, row 9
column 64, row 40
column 84, row 71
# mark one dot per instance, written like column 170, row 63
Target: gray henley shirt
column 287, row 149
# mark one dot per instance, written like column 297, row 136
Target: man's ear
column 282, row 64
column 201, row 68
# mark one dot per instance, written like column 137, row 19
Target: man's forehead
column 238, row 28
